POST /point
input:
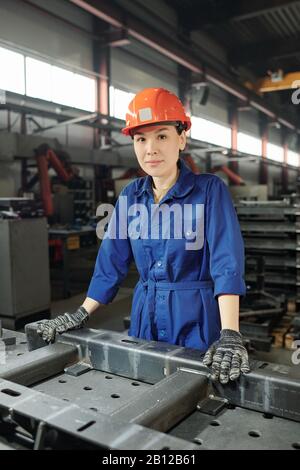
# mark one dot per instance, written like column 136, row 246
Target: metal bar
column 39, row 364
column 263, row 168
column 262, row 312
column 84, row 426
column 36, row 107
column 284, row 170
column 68, row 122
column 264, row 227
column 166, row 403
column 233, row 118
column 45, row 186
column 275, row 389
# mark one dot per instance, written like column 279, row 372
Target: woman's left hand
column 228, row 357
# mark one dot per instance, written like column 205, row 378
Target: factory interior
column 69, row 70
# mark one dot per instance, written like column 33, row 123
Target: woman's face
column 157, row 148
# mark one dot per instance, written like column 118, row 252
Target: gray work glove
column 68, row 321
column 228, row 357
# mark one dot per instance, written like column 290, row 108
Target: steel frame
column 178, row 385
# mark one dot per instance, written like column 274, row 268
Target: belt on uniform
column 152, row 286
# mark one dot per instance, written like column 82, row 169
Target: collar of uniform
column 185, row 183
column 145, row 187
column 181, row 188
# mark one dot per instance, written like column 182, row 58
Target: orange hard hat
column 152, row 106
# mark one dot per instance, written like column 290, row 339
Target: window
column 63, row 86
column 52, row 83
column 85, row 92
column 45, row 81
column 12, row 71
column 38, row 79
column 248, row 144
column 274, row 152
column 119, row 101
column 211, row 132
column 293, row 158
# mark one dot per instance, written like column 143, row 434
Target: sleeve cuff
column 233, row 284
column 101, row 292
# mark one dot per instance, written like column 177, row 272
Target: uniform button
column 161, row 297
column 159, row 264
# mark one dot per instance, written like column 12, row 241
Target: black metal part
column 269, row 388
column 81, row 426
column 39, row 364
column 167, row 402
column 119, row 387
column 8, row 338
column 212, row 405
column 77, row 369
column 271, row 231
column 239, row 429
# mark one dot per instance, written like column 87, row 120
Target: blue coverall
column 175, row 299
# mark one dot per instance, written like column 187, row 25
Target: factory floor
column 111, row 317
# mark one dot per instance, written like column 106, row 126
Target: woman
column 182, row 231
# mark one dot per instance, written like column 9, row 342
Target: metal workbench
column 96, row 389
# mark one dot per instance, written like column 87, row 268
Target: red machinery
column 47, row 158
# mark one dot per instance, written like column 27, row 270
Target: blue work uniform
column 175, row 299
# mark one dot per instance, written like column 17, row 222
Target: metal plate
column 95, row 390
column 239, row 429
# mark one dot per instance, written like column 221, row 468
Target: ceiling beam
column 264, row 51
column 175, row 50
column 236, row 10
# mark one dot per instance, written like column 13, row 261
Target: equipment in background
column 20, row 208
column 46, row 158
column 271, row 230
column 260, row 311
column 253, row 192
column 24, row 273
column 232, row 176
column 66, row 197
column 293, row 332
column 62, row 241
column 83, row 199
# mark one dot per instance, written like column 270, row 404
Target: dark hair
column 179, row 126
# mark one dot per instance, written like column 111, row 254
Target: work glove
column 68, row 321
column 228, row 357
